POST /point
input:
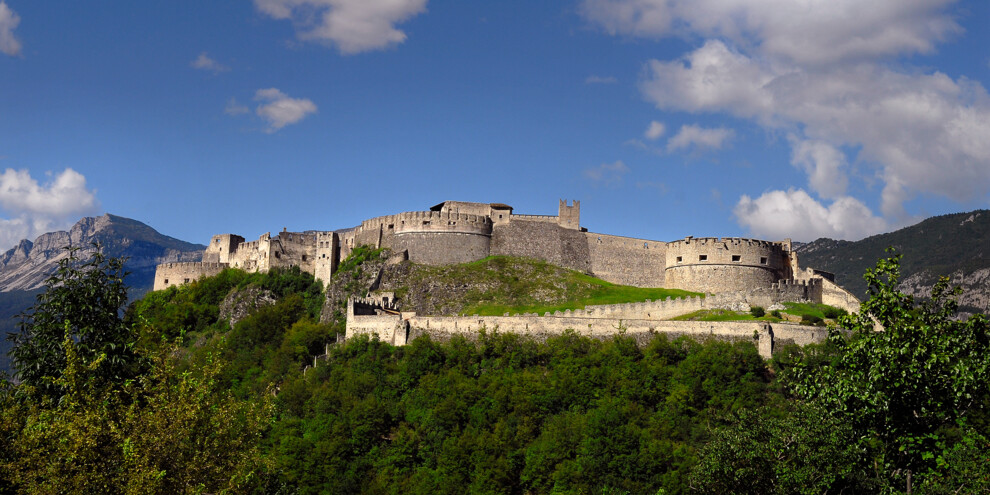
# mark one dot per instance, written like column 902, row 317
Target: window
column 166, row 281
column 680, row 259
column 186, row 281
column 304, row 257
column 763, row 260
column 702, row 257
column 736, row 258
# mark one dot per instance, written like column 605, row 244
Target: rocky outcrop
column 241, row 303
column 975, row 285
column 27, row 265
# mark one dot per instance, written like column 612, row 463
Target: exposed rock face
column 26, row 266
column 241, row 303
column 975, row 285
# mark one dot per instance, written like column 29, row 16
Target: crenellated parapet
column 442, row 222
column 180, row 273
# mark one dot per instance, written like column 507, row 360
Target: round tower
column 441, row 238
column 713, row 265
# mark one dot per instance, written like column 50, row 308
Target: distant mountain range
column 956, row 245
column 24, row 269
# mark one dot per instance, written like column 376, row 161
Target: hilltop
column 957, row 245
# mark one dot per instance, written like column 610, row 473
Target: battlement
column 180, row 273
column 436, row 221
column 727, row 241
column 784, row 283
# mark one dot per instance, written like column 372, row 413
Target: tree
column 906, row 374
column 82, row 301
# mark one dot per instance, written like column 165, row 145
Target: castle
column 739, row 271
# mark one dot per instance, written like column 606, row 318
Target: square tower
column 569, row 217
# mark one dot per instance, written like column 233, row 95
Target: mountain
column 957, row 245
column 24, row 268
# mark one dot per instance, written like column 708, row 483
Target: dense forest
column 189, row 392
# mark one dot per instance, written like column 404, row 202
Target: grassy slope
column 501, row 284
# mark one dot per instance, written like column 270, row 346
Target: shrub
column 757, row 311
column 812, row 320
column 776, row 314
column 832, row 312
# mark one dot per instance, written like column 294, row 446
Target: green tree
column 906, row 375
column 82, row 302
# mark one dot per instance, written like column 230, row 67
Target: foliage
column 906, row 376
column 81, row 303
column 163, row 432
column 776, row 314
column 820, row 311
column 757, row 311
column 812, row 320
column 802, row 450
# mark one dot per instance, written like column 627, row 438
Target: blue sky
column 666, row 118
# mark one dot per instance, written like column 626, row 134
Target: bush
column 757, row 311
column 832, row 312
column 776, row 314
column 812, row 320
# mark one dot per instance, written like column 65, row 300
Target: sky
column 770, row 119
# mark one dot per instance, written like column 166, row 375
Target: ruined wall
column 627, row 261
column 546, row 241
column 169, row 274
column 714, row 265
column 289, row 249
column 570, row 215
column 220, row 248
column 834, row 295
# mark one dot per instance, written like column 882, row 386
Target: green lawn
column 515, row 280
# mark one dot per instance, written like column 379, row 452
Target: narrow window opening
column 166, row 281
column 702, row 257
column 304, row 257
column 763, row 260
column 186, row 281
column 736, row 258
column 680, row 259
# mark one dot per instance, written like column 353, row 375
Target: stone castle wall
column 715, row 265
column 627, row 261
column 542, row 240
column 170, row 274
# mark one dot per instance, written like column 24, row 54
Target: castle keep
column 458, row 232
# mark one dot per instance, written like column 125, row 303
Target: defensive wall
column 716, row 265
column 400, row 328
column 169, row 274
column 457, row 232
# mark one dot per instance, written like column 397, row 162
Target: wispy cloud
column 654, row 130
column 234, row 108
column 32, row 209
column 9, row 44
column 279, row 110
column 693, row 136
column 600, row 80
column 607, row 174
column 353, row 26
column 204, row 62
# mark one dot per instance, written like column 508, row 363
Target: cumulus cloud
column 795, row 214
column 204, row 62
column 9, row 44
column 820, row 72
column 654, row 130
column 699, row 137
column 279, row 110
column 800, row 32
column 353, row 26
column 607, row 174
column 33, row 209
column 600, row 80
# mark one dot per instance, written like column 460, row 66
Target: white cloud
column 607, row 174
column 824, row 165
column 280, row 110
column 204, row 62
column 654, row 130
column 9, row 20
column 601, row 80
column 33, row 209
column 235, row 108
column 924, row 132
column 354, row 26
column 806, row 32
column 699, row 137
column 795, row 214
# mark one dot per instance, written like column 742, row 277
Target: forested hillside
column 956, row 245
column 232, row 384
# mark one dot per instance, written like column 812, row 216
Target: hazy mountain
column 957, row 245
column 24, row 268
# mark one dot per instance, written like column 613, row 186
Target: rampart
column 169, row 274
column 716, row 265
column 399, row 329
column 627, row 261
